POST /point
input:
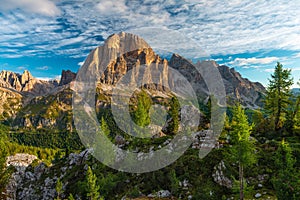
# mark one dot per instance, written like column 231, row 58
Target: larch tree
column 243, row 148
column 92, row 188
column 278, row 95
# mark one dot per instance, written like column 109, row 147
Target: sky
column 47, row 36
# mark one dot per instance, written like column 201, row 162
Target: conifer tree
column 242, row 150
column 286, row 181
column 278, row 94
column 141, row 114
column 174, row 115
column 92, row 188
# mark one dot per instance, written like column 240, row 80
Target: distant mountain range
column 29, row 102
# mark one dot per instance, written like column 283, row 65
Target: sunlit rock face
column 26, row 83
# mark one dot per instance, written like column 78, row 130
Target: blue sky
column 46, row 36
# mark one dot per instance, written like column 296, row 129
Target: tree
column 4, row 171
column 92, row 188
column 174, row 181
column 278, row 94
column 58, row 188
column 242, row 150
column 286, row 181
column 141, row 114
column 174, row 116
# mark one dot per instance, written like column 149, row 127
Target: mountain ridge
column 55, row 107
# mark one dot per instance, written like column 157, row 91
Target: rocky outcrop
column 67, row 76
column 219, row 176
column 39, row 182
column 20, row 162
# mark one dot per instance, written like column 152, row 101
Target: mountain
column 35, row 103
column 136, row 52
column 26, row 83
column 67, row 77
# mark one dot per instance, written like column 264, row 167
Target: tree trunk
column 241, row 174
column 277, row 118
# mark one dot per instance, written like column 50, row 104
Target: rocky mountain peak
column 25, row 83
column 126, row 52
column 67, row 76
column 125, row 42
column 26, row 77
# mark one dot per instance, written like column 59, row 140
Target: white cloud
column 80, row 63
column 44, row 68
column 20, row 68
column 218, row 59
column 56, row 77
column 253, row 61
column 297, row 55
column 44, row 7
column 112, row 7
column 219, row 27
column 269, row 70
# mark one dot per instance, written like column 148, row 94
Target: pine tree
column 242, row 150
column 174, row 181
column 278, row 94
column 287, row 180
column 92, row 188
column 174, row 115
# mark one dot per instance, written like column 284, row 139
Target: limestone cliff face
column 125, row 53
column 237, row 87
column 25, row 83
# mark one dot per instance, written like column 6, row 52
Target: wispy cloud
column 56, row 77
column 297, row 55
column 44, row 7
column 112, row 7
column 218, row 27
column 44, row 68
column 253, row 61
